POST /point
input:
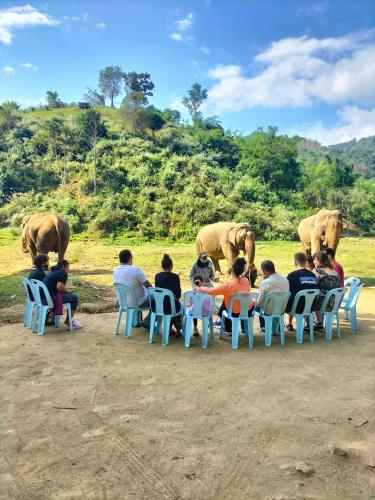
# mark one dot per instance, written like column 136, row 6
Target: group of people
column 321, row 271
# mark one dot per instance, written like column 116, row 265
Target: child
column 198, row 281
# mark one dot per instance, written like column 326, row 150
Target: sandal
column 196, row 333
column 76, row 325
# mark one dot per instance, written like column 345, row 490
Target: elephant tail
column 198, row 245
column 63, row 234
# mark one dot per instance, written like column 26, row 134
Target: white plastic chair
column 30, row 303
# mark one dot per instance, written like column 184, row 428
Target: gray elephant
column 225, row 240
column 43, row 233
column 320, row 230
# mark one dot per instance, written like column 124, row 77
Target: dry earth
column 87, row 415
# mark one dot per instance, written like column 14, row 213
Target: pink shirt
column 340, row 271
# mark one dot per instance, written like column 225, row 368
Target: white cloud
column 8, row 70
column 176, row 36
column 21, row 17
column 26, row 102
column 100, row 25
column 205, row 50
column 73, row 18
column 301, row 71
column 29, row 66
column 354, row 122
column 185, row 24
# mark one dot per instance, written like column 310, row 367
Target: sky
column 307, row 67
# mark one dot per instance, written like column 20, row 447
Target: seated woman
column 55, row 281
column 170, row 281
column 236, row 284
column 327, row 279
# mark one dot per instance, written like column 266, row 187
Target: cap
column 203, row 254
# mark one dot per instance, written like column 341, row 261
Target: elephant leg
column 216, row 264
column 306, row 247
column 33, row 250
column 62, row 248
column 230, row 256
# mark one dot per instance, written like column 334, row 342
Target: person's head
column 41, row 262
column 166, row 263
column 310, row 262
column 321, row 259
column 125, row 257
column 203, row 259
column 62, row 265
column 239, row 267
column 198, row 280
column 268, row 268
column 300, row 259
column 330, row 254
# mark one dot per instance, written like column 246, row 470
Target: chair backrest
column 351, row 285
column 28, row 289
column 199, row 304
column 126, row 296
column 38, row 287
column 352, row 298
column 157, row 295
column 243, row 299
column 309, row 296
column 333, row 299
column 275, row 303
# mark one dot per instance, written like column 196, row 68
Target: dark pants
column 228, row 322
column 70, row 298
column 176, row 321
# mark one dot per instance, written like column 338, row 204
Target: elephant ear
column 24, row 221
column 232, row 233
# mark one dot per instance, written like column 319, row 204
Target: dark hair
column 124, row 256
column 330, row 252
column 268, row 265
column 166, row 262
column 61, row 263
column 300, row 258
column 239, row 266
column 322, row 257
column 197, row 277
column 310, row 259
column 39, row 260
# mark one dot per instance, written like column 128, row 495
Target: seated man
column 300, row 279
column 40, row 267
column 127, row 274
column 335, row 265
column 55, row 281
column 272, row 282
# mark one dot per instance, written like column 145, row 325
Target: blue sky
column 307, row 67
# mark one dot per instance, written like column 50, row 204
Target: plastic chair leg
column 28, row 314
column 69, row 313
column 118, row 322
column 299, row 333
column 36, row 317
column 222, row 322
column 188, row 328
column 311, row 325
column 129, row 323
column 211, row 323
column 268, row 330
column 328, row 325
column 353, row 320
column 159, row 321
column 167, row 324
column 42, row 320
column 282, row 330
column 152, row 327
column 235, row 330
column 205, row 332
column 346, row 314
column 249, row 331
column 338, row 326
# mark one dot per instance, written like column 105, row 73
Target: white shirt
column 274, row 283
column 133, row 276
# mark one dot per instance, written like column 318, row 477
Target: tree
column 92, row 128
column 194, row 100
column 138, row 82
column 8, row 117
column 53, row 100
column 93, row 97
column 110, row 82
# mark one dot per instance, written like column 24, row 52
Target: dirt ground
column 87, row 415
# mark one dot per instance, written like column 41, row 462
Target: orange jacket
column 231, row 287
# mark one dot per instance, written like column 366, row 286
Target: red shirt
column 340, row 271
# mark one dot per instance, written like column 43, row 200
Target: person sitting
column 236, row 284
column 198, row 282
column 127, row 274
column 204, row 267
column 40, row 267
column 170, row 281
column 55, row 281
column 310, row 262
column 272, row 282
column 327, row 279
column 300, row 279
column 335, row 265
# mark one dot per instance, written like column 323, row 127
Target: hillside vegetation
column 142, row 172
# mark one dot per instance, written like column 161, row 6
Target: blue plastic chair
column 351, row 285
column 41, row 309
column 329, row 316
column 277, row 301
column 30, row 303
column 244, row 299
column 126, row 295
column 194, row 300
column 309, row 296
column 350, row 306
column 158, row 295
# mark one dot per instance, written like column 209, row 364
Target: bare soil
column 87, row 415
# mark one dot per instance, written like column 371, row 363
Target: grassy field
column 92, row 263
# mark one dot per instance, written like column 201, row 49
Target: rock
column 299, row 468
column 339, row 451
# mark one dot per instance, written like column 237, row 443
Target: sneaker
column 217, row 325
column 76, row 325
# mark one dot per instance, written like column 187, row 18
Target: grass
column 92, row 263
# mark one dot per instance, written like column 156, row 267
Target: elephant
column 43, row 233
column 224, row 240
column 320, row 230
